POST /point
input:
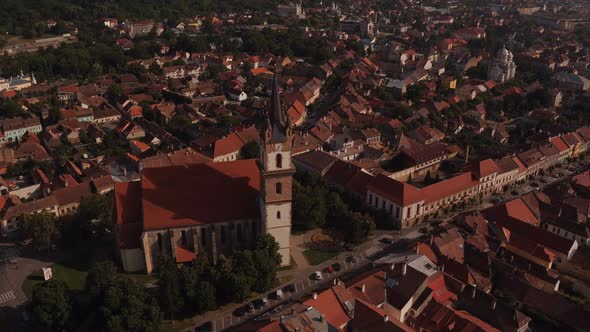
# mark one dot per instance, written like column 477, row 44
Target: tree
column 115, row 93
column 95, row 212
column 359, row 227
column 251, row 150
column 336, row 209
column 309, row 206
column 100, row 276
column 169, row 291
column 40, row 228
column 126, row 307
column 205, row 293
column 52, row 304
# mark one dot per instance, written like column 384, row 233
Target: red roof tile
column 202, row 193
column 399, row 192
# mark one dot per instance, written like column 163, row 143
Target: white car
column 317, row 275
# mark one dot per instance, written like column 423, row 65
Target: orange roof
column 135, row 111
column 374, row 284
column 229, row 144
column 184, row 255
column 559, row 143
column 140, row 145
column 327, row 303
column 485, row 168
column 128, row 214
column 521, row 166
column 198, row 194
column 257, row 71
column 517, row 209
column 441, row 293
column 446, row 188
column 399, row 192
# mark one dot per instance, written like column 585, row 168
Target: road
column 223, row 319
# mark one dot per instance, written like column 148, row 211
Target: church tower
column 277, row 175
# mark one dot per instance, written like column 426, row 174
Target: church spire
column 278, row 121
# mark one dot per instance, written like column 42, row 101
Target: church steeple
column 278, row 126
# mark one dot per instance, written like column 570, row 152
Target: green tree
column 52, row 304
column 309, row 207
column 251, row 150
column 169, row 290
column 125, row 306
column 100, row 276
column 359, row 227
column 40, row 228
column 336, row 209
column 205, row 295
column 116, row 94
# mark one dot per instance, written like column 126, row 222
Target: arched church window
column 279, row 160
column 279, row 188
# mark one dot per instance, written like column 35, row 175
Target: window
column 278, row 214
column 279, row 160
column 203, row 236
column 183, row 238
column 159, row 241
column 239, row 232
column 222, row 231
column 279, row 188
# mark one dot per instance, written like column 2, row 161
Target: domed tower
column 276, row 175
column 502, row 68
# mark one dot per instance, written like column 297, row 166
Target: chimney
column 493, row 304
column 442, row 268
column 431, row 239
column 335, row 281
column 282, row 319
column 404, row 268
column 473, row 291
column 314, row 296
column 363, row 288
column 385, row 319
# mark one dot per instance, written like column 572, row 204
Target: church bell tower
column 277, row 175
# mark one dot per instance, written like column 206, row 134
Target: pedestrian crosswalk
column 8, row 296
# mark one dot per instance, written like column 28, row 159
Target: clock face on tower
column 278, row 147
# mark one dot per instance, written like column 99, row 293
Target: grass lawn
column 72, row 276
column 315, row 257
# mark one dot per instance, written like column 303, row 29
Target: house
column 14, row 129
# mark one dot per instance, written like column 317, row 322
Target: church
column 502, row 69
column 185, row 205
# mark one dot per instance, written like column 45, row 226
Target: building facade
column 502, row 69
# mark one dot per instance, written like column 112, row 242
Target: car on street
column 336, row 267
column 277, row 295
column 241, row 311
column 352, row 259
column 205, row 327
column 535, row 185
column 514, row 193
column 329, row 269
column 290, row 288
column 387, row 240
column 496, row 200
column 251, row 307
column 317, row 275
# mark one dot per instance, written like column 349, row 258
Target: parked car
column 352, row 259
column 337, row 267
column 317, row 275
column 241, row 311
column 387, row 240
column 329, row 269
column 290, row 288
column 277, row 295
column 205, row 327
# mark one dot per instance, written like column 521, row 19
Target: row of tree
column 118, row 303
column 315, row 204
column 201, row 287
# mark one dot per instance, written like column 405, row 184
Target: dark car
column 337, row 267
column 241, row 311
column 206, row 327
column 534, row 185
column 289, row 288
column 329, row 269
column 387, row 240
column 514, row 193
